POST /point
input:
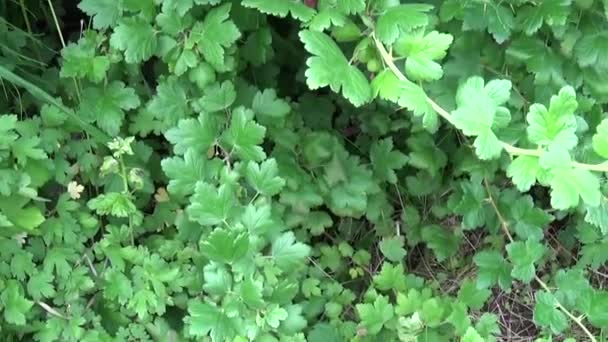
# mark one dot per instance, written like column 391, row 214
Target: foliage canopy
column 285, row 170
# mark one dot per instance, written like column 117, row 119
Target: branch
column 505, row 227
column 512, row 150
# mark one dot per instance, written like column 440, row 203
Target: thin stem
column 57, row 27
column 505, row 228
column 28, row 26
column 602, row 167
column 576, row 320
column 125, row 185
column 388, row 59
column 123, row 175
column 503, row 223
column 512, row 150
column 76, row 86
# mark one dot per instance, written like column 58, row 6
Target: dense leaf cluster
column 285, row 170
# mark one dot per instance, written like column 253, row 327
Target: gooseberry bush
column 290, row 170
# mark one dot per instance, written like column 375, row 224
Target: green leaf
column 40, row 285
column 197, row 135
column 310, row 287
column 407, row 94
column 170, row 104
column 27, row 218
column 117, row 286
column 80, row 60
column 493, row 269
column 572, row 285
column 136, row 37
column 105, row 13
column 472, row 296
column 287, row 253
column 432, row 312
column 141, row 303
column 275, row 315
column 385, row 160
column 349, row 196
column 185, row 172
column 374, row 316
column 487, row 325
column 218, row 97
column 250, row 292
column 392, row 248
column 387, row 86
column 551, row 12
column 327, row 17
column 7, row 125
column 26, row 148
column 476, row 113
column 257, row 219
column 281, row 8
column 401, row 18
column 351, row 6
column 568, row 184
column 207, row 320
column 591, row 48
column 557, row 125
column 597, row 314
column 323, row 332
column 214, row 34
column 210, row 206
column 186, row 60
column 258, row 48
column 495, row 17
column 115, row 204
column 21, row 265
column 390, row 277
column 264, row 177
column 329, row 67
column 598, row 216
column 57, row 259
column 523, row 170
column 443, row 242
column 471, row 335
column 528, row 221
column 14, row 303
column 244, row 135
column 546, row 313
column 472, row 205
column 295, row 321
column 523, row 256
column 225, row 246
column 600, row 139
column 266, row 103
column 218, row 279
column 459, row 318
column 107, row 106
column 422, row 52
column 181, row 7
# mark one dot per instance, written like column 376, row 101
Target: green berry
column 373, row 65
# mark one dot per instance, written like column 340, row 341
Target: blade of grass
column 97, row 135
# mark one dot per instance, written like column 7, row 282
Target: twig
column 505, row 227
column 50, row 310
column 512, row 150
